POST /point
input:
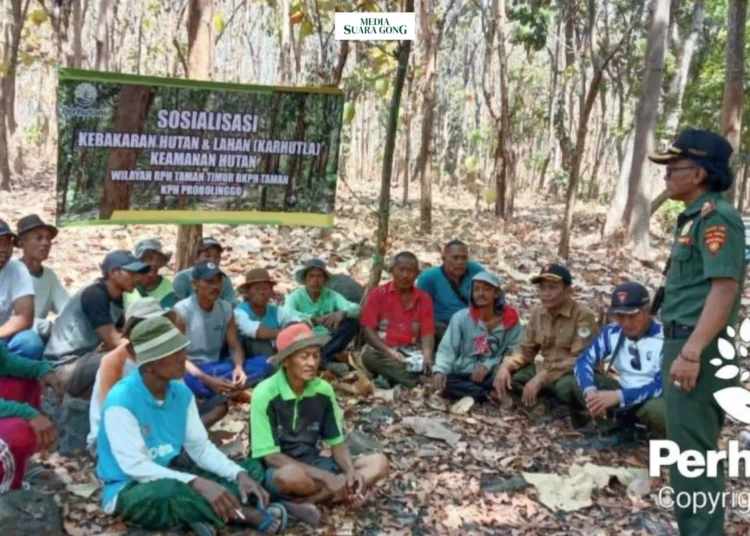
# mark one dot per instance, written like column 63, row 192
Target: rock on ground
column 29, row 512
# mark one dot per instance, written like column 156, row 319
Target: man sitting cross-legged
column 476, row 342
column 147, row 419
column 90, row 324
column 121, row 361
column 23, row 430
column 209, row 324
column 560, row 328
column 634, row 343
column 259, row 321
column 397, row 322
column 291, row 412
column 327, row 310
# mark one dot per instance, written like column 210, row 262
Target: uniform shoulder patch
column 715, row 237
column 707, row 208
column 584, row 331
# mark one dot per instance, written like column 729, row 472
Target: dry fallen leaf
column 84, row 490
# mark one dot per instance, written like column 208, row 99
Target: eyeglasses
column 636, row 361
column 670, row 170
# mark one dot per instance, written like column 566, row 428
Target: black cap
column 707, row 149
column 553, row 272
column 30, row 222
column 629, row 298
column 206, row 270
column 6, row 230
column 205, row 243
column 123, row 260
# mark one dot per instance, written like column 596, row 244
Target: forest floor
column 436, row 487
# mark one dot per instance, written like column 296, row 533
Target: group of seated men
column 160, row 361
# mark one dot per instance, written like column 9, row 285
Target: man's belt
column 673, row 330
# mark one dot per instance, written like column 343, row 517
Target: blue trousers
column 340, row 339
column 26, row 344
column 256, row 368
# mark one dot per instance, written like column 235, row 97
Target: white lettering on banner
column 692, row 463
column 392, row 26
column 201, row 120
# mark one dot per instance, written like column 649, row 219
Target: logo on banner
column 735, row 401
column 375, row 26
column 84, row 96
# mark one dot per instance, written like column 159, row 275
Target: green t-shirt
column 13, row 366
column 280, row 421
column 328, row 302
column 163, row 293
column 709, row 243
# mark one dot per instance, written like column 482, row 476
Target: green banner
column 136, row 149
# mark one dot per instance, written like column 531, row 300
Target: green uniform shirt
column 709, row 243
column 281, row 421
column 163, row 293
column 13, row 366
column 328, row 302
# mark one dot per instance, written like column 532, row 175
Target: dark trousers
column 460, row 385
column 694, row 422
column 347, row 329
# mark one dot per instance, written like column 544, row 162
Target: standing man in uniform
column 701, row 298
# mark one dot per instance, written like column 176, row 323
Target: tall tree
column 384, row 206
column 13, row 19
column 431, row 32
column 200, row 67
column 638, row 207
column 731, row 105
column 104, row 26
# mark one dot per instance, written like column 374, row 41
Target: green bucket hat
column 156, row 338
column 144, row 308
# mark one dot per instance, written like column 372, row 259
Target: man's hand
column 685, row 372
column 598, row 402
column 44, row 431
column 427, row 364
column 239, row 378
column 355, row 483
column 247, row 486
column 220, row 386
column 501, row 385
column 395, row 354
column 52, row 380
column 532, row 390
column 479, row 374
column 334, row 483
column 438, row 381
column 219, row 497
column 334, row 319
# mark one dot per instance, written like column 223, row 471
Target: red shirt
column 398, row 325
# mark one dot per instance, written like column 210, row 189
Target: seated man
column 329, row 312
column 35, row 240
column 121, row 361
column 258, row 321
column 89, row 325
column 209, row 324
column 147, row 419
column 207, row 249
column 17, row 333
column 560, row 328
column 449, row 285
column 291, row 412
column 398, row 325
column 477, row 341
column 634, row 342
column 23, row 430
column 152, row 284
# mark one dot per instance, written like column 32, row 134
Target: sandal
column 270, row 518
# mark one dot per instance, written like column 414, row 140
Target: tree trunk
column 103, row 29
column 507, row 183
column 743, row 188
column 200, row 67
column 286, row 50
column 76, row 60
column 620, row 196
column 129, row 116
column 407, row 138
column 427, row 33
column 637, row 209
column 390, row 143
column 731, row 106
column 658, row 201
column 677, row 88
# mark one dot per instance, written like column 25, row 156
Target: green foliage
column 532, row 23
column 670, row 209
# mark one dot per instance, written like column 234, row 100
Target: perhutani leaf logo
column 735, row 401
column 85, row 95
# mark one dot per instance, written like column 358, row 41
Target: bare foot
column 358, row 500
column 307, row 513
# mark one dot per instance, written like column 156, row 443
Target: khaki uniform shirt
column 558, row 338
